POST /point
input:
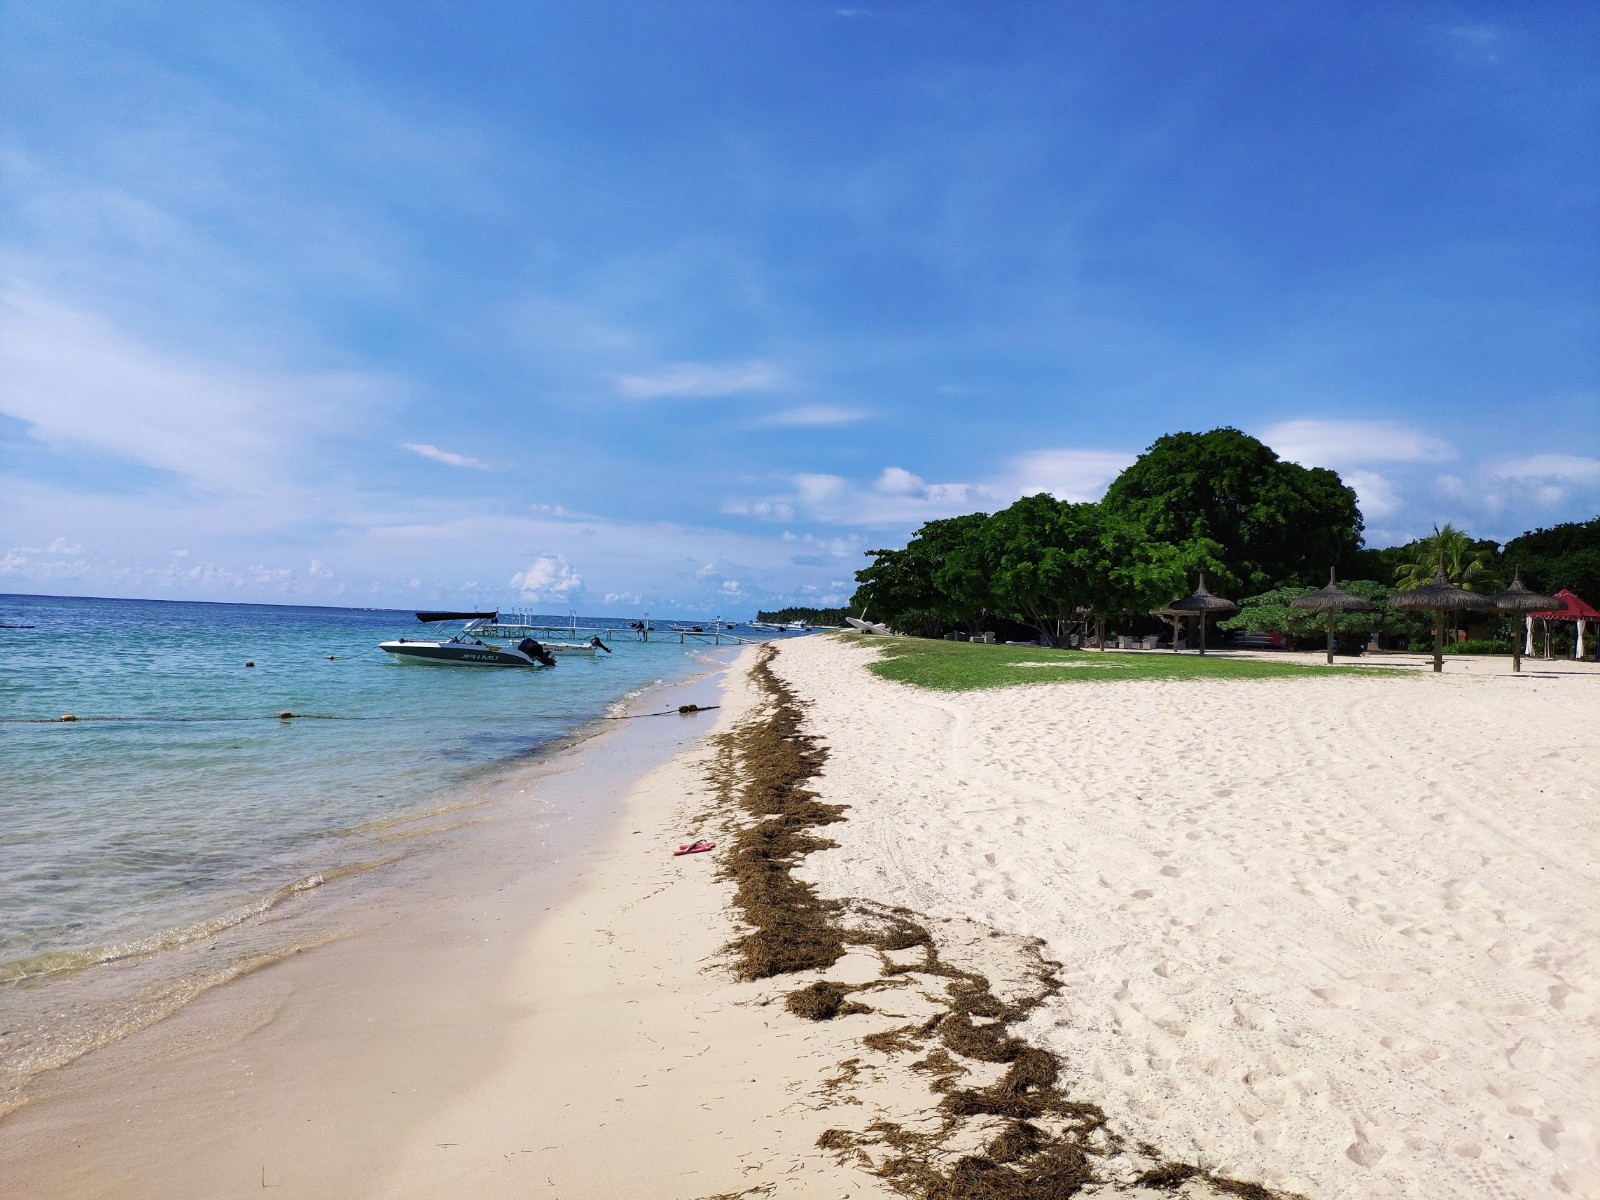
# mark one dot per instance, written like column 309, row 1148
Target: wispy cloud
column 79, row 380
column 1574, row 467
column 812, row 415
column 701, row 380
column 448, row 457
column 897, row 498
column 1337, row 444
column 1074, row 475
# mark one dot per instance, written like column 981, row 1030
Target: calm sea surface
column 179, row 805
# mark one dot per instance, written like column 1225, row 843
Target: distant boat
column 861, row 626
column 467, row 648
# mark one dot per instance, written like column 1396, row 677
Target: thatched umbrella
column 1203, row 604
column 1518, row 599
column 1331, row 600
column 1440, row 596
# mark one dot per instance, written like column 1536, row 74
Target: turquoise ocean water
column 179, row 805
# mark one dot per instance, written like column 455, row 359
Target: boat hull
column 456, row 653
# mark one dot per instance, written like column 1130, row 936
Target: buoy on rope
column 285, row 715
column 688, row 708
column 249, row 662
column 69, row 716
column 330, row 658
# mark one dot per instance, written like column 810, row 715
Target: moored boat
column 467, row 647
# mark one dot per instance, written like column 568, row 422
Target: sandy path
column 1333, row 934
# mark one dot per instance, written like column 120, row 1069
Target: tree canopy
column 1041, row 562
column 1467, row 563
column 1563, row 556
column 1274, row 521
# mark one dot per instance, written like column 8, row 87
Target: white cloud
column 776, row 510
column 1546, row 466
column 449, row 457
column 1073, row 475
column 900, row 498
column 1340, row 444
column 549, row 577
column 897, row 481
column 80, row 381
column 812, row 415
column 700, row 380
column 1378, row 496
column 629, row 599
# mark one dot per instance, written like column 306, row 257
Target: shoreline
column 397, row 993
column 90, row 997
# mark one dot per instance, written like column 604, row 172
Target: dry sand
column 1333, row 934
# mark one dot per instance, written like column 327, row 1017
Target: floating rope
column 70, row 718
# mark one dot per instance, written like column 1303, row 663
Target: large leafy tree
column 1467, row 563
column 1274, row 521
column 1031, row 551
column 1563, row 556
column 933, row 583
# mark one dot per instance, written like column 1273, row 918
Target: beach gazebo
column 1201, row 603
column 1567, row 607
column 1331, row 599
column 1518, row 599
column 1439, row 597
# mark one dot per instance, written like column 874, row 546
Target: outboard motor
column 536, row 652
column 598, row 644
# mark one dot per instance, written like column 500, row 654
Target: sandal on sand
column 694, row 847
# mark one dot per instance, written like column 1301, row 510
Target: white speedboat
column 467, row 647
column 586, row 649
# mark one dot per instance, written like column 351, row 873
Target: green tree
column 1274, row 521
column 1030, row 550
column 1563, row 556
column 1468, row 564
column 931, row 584
column 1129, row 574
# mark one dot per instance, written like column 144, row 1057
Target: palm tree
column 1466, row 563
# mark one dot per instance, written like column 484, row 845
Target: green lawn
column 964, row 666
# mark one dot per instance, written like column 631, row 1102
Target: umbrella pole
column 1516, row 652
column 1438, row 641
column 1330, row 637
column 1202, row 633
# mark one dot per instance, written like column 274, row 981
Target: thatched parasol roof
column 1202, row 601
column 1331, row 598
column 1441, row 595
column 1517, row 598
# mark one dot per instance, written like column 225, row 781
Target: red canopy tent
column 1573, row 608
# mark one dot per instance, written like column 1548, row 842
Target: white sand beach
column 1334, row 935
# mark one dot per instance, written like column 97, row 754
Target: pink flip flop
column 699, row 847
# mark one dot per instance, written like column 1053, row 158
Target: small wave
column 60, row 962
column 63, row 1046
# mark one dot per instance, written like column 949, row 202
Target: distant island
column 811, row 616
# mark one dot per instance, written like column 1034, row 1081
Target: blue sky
column 680, row 307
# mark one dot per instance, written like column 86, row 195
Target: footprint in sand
column 1339, row 995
